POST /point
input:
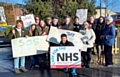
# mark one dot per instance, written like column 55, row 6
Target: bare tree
column 111, row 5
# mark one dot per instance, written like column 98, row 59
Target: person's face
column 63, row 39
column 33, row 28
column 92, row 19
column 76, row 20
column 85, row 26
column 49, row 21
column 108, row 22
column 37, row 20
column 101, row 20
column 42, row 23
column 55, row 20
column 19, row 25
column 67, row 20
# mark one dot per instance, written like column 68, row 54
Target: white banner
column 82, row 14
column 28, row 20
column 65, row 57
column 2, row 15
column 74, row 37
column 29, row 46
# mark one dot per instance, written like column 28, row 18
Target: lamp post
column 100, row 8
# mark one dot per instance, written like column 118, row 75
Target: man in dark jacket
column 55, row 21
column 65, row 42
column 67, row 25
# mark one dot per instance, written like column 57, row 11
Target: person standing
column 108, row 38
column 92, row 23
column 49, row 22
column 31, row 32
column 55, row 21
column 76, row 24
column 99, row 46
column 65, row 42
column 18, row 32
column 67, row 25
column 88, row 39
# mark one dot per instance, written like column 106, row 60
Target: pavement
column 6, row 68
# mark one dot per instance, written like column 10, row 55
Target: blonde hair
column 87, row 24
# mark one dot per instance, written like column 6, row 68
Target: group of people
column 101, row 34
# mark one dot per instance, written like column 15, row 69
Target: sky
column 113, row 5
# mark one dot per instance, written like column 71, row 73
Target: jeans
column 32, row 61
column 16, row 62
column 87, row 57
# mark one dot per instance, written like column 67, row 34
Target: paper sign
column 28, row 20
column 10, row 14
column 2, row 15
column 30, row 46
column 65, row 57
column 82, row 14
column 74, row 37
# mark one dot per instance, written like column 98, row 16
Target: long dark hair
column 99, row 20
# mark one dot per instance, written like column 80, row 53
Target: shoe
column 109, row 65
column 31, row 67
column 65, row 70
column 23, row 69
column 17, row 71
column 73, row 73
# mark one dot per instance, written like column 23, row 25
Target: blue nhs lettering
column 70, row 34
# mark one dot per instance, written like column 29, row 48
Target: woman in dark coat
column 98, row 31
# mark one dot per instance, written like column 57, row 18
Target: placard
column 65, row 57
column 29, row 46
column 2, row 15
column 10, row 14
column 28, row 20
column 74, row 37
column 82, row 14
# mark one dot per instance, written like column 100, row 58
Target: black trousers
column 108, row 54
column 87, row 57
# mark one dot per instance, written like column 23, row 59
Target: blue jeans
column 17, row 60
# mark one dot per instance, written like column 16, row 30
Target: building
column 104, row 12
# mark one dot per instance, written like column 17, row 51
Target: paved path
column 6, row 68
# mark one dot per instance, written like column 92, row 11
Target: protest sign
column 29, row 46
column 65, row 57
column 10, row 14
column 82, row 14
column 74, row 37
column 28, row 20
column 2, row 15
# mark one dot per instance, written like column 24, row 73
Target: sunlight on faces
column 86, row 25
column 33, row 27
column 76, row 20
column 92, row 19
column 64, row 39
column 19, row 25
column 101, row 20
column 42, row 23
column 49, row 21
column 109, row 20
column 37, row 20
column 67, row 20
column 55, row 21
